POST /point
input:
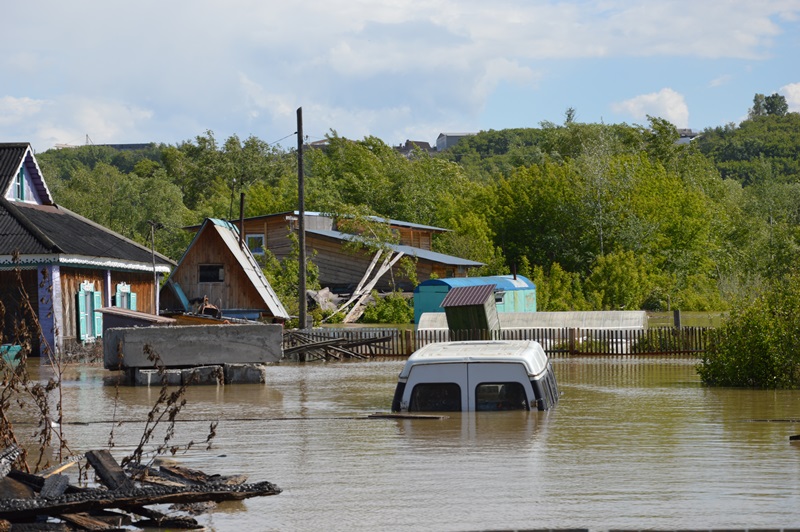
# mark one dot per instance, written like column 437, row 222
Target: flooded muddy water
column 633, row 444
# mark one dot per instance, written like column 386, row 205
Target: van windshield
column 436, row 397
column 500, row 396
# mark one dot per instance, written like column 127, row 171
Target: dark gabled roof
column 12, row 156
column 43, row 229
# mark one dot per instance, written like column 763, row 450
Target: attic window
column 19, row 192
column 211, row 273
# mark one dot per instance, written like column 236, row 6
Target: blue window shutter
column 132, row 301
column 98, row 317
column 81, row 315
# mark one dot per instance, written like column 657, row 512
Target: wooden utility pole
column 301, row 220
column 153, row 256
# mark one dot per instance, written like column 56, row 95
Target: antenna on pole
column 302, row 220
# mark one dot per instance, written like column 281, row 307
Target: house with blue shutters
column 58, row 268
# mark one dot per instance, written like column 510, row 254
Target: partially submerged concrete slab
column 200, row 375
column 193, row 345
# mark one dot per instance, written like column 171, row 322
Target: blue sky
column 169, row 70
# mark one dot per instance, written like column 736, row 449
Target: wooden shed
column 471, row 308
column 219, row 267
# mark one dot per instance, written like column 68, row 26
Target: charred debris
column 50, row 501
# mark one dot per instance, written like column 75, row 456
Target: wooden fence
column 663, row 341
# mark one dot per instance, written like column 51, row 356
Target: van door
column 436, row 388
column 496, row 386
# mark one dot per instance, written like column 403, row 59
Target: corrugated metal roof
column 230, row 235
column 51, row 229
column 610, row 319
column 16, row 237
column 464, row 296
column 11, row 155
column 423, row 254
column 502, row 282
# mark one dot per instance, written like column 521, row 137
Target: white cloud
column 666, row 104
column 792, row 94
column 13, row 111
column 382, row 66
column 720, row 81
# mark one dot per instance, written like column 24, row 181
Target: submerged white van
column 476, row 376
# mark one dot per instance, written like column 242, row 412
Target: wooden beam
column 109, row 471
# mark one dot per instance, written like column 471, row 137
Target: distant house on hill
column 339, row 268
column 448, row 140
column 219, row 267
column 408, row 148
column 686, row 136
column 70, row 266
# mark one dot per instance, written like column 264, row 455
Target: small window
column 19, row 192
column 500, row 396
column 211, row 273
column 256, row 244
column 124, row 298
column 436, row 397
column 90, row 323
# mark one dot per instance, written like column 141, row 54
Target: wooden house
column 339, row 267
column 219, row 268
column 68, row 266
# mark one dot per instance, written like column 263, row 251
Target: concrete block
column 203, row 375
column 193, row 345
column 245, row 373
column 150, row 377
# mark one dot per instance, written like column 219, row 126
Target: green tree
column 620, row 281
column 759, row 106
column 776, row 105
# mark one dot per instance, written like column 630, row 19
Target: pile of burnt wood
column 48, row 501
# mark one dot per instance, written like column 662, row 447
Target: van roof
column 525, row 352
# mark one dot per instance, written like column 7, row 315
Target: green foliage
column 599, row 216
column 763, row 148
column 392, row 308
column 759, row 343
column 556, row 290
column 284, row 276
column 620, row 281
column 774, row 105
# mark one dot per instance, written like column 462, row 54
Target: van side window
column 436, row 397
column 500, row 396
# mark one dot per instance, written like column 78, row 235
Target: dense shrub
column 393, row 308
column 759, row 344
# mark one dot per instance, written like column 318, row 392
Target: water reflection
column 633, row 443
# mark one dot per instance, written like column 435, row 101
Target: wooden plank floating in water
column 382, row 415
